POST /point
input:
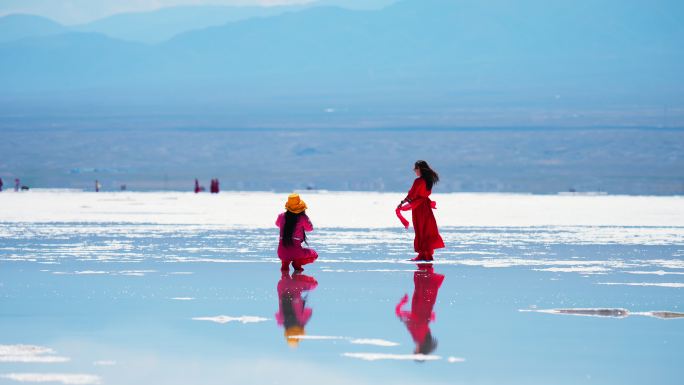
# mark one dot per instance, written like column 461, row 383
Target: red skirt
column 427, row 236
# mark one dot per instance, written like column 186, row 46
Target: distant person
column 293, row 314
column 427, row 237
column 417, row 320
column 16, row 184
column 293, row 224
column 98, row 186
column 197, row 186
column 214, row 188
column 1, row 184
column 123, row 187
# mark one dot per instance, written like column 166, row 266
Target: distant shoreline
column 130, row 124
column 189, row 191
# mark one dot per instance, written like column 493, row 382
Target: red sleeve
column 279, row 221
column 306, row 223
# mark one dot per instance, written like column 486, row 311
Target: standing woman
column 427, row 236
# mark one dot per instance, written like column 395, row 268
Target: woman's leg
column 428, row 255
column 424, row 255
column 285, row 258
column 308, row 256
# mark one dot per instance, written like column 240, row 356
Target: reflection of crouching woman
column 293, row 314
column 293, row 225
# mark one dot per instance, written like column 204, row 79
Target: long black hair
column 429, row 175
column 289, row 317
column 428, row 345
column 291, row 220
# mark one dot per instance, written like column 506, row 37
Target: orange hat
column 295, row 204
column 292, row 335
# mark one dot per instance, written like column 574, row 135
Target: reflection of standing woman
column 427, row 236
column 417, row 320
column 294, row 223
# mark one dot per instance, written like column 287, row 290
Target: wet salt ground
column 136, row 303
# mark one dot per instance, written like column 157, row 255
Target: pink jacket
column 303, row 225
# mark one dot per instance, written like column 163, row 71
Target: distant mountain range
column 162, row 24
column 412, row 58
column 16, row 27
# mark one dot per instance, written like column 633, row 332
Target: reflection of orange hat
column 295, row 204
column 292, row 335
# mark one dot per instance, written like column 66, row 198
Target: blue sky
column 82, row 11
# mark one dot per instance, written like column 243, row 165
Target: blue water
column 102, row 296
column 641, row 161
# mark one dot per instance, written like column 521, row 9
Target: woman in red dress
column 427, row 236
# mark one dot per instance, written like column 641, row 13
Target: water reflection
column 417, row 319
column 293, row 315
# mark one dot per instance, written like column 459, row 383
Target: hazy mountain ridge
column 410, row 54
column 19, row 26
column 160, row 25
column 155, row 26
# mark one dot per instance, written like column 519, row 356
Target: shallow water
column 118, row 303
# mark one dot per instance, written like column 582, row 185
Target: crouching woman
column 293, row 224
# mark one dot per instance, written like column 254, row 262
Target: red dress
column 427, row 236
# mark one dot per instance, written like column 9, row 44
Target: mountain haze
column 19, row 26
column 160, row 25
column 413, row 58
column 157, row 25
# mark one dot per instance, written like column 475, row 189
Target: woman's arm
column 306, row 223
column 413, row 192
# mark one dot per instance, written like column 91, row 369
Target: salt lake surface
column 174, row 288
